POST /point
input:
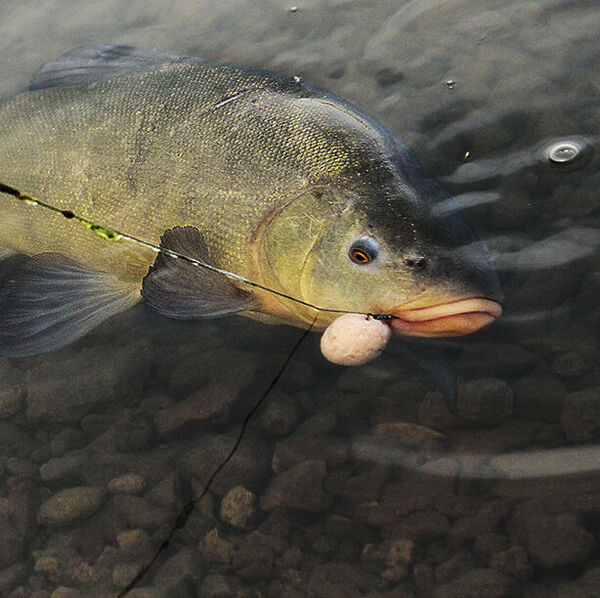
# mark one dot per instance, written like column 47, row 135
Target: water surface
column 455, row 468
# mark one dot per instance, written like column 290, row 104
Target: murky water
column 454, row 468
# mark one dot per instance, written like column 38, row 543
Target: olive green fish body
column 213, row 146
column 254, row 172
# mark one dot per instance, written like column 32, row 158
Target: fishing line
column 187, row 510
column 109, row 234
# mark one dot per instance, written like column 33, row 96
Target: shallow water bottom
column 461, row 468
column 347, row 482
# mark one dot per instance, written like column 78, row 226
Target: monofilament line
column 187, row 510
column 109, row 234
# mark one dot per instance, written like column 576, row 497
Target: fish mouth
column 452, row 318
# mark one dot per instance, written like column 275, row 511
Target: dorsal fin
column 87, row 64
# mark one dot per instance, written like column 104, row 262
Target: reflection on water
column 447, row 468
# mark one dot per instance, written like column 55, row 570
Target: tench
column 258, row 173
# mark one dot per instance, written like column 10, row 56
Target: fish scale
column 256, row 173
column 85, row 151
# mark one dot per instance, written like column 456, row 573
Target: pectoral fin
column 178, row 289
column 47, row 301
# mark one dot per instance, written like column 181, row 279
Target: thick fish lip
column 453, row 318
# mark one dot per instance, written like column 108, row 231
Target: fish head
column 375, row 242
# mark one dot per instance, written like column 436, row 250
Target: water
column 348, row 482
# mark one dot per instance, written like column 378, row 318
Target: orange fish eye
column 359, row 256
column 363, row 251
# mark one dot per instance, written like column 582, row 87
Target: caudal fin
column 48, row 301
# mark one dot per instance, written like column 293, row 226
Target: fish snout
column 466, row 271
column 468, row 293
column 451, row 318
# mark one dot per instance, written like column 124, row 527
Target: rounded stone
column 237, row 506
column 128, row 483
column 70, row 505
column 134, row 543
column 12, row 544
column 514, row 561
column 556, row 540
column 477, row 583
column 569, row 365
column 300, row 487
column 12, row 400
column 123, row 573
column 66, row 440
column 580, row 416
column 60, row 468
column 485, row 401
column 248, row 467
column 216, row 586
column 132, row 432
column 280, row 416
column 65, row 592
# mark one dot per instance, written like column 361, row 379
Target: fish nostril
column 418, row 262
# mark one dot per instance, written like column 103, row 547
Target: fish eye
column 363, row 251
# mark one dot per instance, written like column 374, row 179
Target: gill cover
column 287, row 241
column 331, row 278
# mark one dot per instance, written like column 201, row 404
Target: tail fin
column 48, row 301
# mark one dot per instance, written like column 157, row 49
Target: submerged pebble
column 11, row 545
column 215, row 586
column 478, row 582
column 237, row 506
column 353, row 339
column 128, row 483
column 70, row 505
column 134, row 543
column 488, row 551
column 12, row 400
column 552, row 540
column 298, row 488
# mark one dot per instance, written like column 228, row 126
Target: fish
column 257, row 173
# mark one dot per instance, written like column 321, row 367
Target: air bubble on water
column 293, row 9
column 450, row 84
column 563, row 151
column 566, row 154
